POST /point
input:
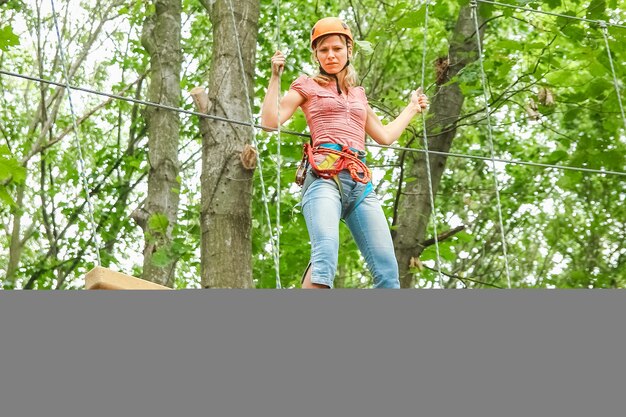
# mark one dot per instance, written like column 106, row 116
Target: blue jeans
column 322, row 209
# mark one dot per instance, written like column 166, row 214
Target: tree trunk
column 157, row 217
column 15, row 246
column 414, row 208
column 226, row 215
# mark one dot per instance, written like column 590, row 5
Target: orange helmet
column 329, row 26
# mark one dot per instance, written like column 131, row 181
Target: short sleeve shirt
column 331, row 117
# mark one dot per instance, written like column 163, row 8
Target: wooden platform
column 104, row 279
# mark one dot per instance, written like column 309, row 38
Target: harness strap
column 336, row 161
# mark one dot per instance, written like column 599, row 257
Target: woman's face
column 332, row 53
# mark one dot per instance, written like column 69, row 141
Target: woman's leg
column 306, row 280
column 371, row 232
column 321, row 206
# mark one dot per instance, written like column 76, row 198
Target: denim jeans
column 322, row 209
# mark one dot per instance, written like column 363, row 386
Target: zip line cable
column 278, row 153
column 505, row 161
column 474, row 6
column 427, row 157
column 149, row 103
column 605, row 35
column 305, row 135
column 81, row 161
column 293, row 133
column 276, row 239
column 258, row 159
column 526, row 9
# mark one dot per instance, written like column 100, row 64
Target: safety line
column 151, row 104
column 425, row 140
column 526, row 9
column 258, row 159
column 505, row 161
column 81, row 161
column 615, row 82
column 278, row 153
column 496, row 184
column 305, row 135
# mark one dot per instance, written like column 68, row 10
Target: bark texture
column 414, row 208
column 226, row 216
column 161, row 38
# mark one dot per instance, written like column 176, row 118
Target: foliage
column 552, row 97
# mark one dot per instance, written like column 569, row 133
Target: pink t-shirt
column 333, row 118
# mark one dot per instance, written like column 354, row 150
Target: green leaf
column 161, row 258
column 8, row 38
column 412, row 19
column 599, row 87
column 579, row 276
column 6, row 197
column 463, row 237
column 596, row 10
column 571, row 180
column 10, row 168
column 365, row 47
column 557, row 156
column 613, row 159
column 158, row 223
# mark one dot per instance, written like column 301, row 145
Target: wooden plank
column 101, row 278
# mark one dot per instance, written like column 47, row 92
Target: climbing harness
column 338, row 158
column 344, row 165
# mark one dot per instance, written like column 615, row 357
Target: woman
column 337, row 184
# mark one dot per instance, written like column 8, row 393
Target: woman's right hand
column 278, row 63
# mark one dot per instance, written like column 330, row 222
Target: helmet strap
column 323, row 72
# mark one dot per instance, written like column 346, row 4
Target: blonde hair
column 351, row 78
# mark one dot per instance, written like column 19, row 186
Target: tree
column 226, row 218
column 552, row 101
column 414, row 206
column 158, row 215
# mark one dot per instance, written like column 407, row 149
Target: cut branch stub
column 248, row 157
column 200, row 99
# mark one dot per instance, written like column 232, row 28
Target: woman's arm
column 388, row 134
column 288, row 104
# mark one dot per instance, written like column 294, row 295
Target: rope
column 582, row 19
column 425, row 136
column 81, row 161
column 278, row 152
column 258, row 159
column 505, row 161
column 151, row 104
column 605, row 34
column 291, row 132
column 474, row 6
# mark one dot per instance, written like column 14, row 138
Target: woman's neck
column 341, row 77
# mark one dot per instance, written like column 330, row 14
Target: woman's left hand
column 419, row 100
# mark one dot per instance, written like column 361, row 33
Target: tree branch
column 443, row 236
